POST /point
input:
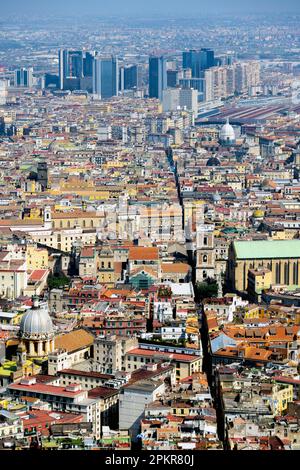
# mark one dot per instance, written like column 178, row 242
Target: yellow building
column 73, row 219
column 258, row 281
column 282, row 395
column 193, row 212
column 106, row 266
column 281, row 257
column 186, row 364
column 36, row 258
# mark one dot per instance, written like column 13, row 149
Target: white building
column 180, row 98
column 3, row 92
column 132, row 403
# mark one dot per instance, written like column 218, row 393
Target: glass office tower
column 157, row 76
column 105, row 77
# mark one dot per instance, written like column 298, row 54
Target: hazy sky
column 170, row 8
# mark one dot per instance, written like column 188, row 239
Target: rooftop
column 265, row 249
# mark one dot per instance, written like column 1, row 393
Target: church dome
column 227, row 134
column 36, row 323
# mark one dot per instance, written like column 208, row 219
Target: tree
column 57, row 281
column 206, row 289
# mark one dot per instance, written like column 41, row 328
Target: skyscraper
column 172, row 78
column 24, row 77
column 198, row 61
column 88, row 62
column 75, row 70
column 3, row 92
column 192, row 60
column 63, row 67
column 70, row 69
column 207, row 58
column 131, row 77
column 105, row 77
column 157, row 76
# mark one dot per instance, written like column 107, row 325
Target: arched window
column 204, row 258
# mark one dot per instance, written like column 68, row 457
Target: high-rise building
column 198, row 61
column 224, row 81
column 3, row 92
column 207, row 58
column 70, row 69
column 157, row 76
column 247, row 74
column 24, row 77
column 105, row 77
column 121, row 79
column 180, row 98
column 51, row 80
column 131, row 77
column 63, row 67
column 88, row 62
column 196, row 83
column 172, row 78
column 192, row 60
column 75, row 70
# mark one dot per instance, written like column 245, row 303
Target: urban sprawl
column 150, row 238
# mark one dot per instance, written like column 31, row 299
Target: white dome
column 227, row 133
column 36, row 324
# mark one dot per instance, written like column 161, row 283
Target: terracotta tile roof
column 41, row 417
column 175, row 268
column 77, row 339
column 74, row 214
column 38, row 274
column 143, row 253
column 146, row 269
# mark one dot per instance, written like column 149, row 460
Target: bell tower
column 42, row 174
column 205, row 252
column 47, row 217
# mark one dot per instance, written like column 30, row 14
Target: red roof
column 47, row 389
column 38, row 274
column 42, row 417
column 175, row 356
column 143, row 253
